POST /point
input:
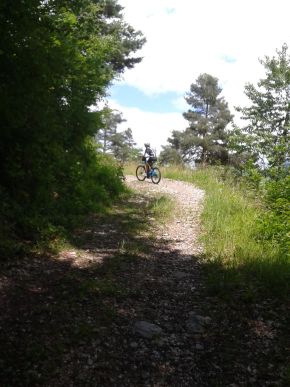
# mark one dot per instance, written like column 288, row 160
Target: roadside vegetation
column 236, row 225
column 57, row 61
column 245, row 173
column 61, row 167
column 245, row 227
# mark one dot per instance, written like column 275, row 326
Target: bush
column 88, row 185
column 245, row 232
column 275, row 223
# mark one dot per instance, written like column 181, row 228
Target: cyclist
column 149, row 157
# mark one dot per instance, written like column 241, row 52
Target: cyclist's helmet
column 147, row 145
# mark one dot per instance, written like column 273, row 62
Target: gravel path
column 184, row 229
column 158, row 336
column 127, row 305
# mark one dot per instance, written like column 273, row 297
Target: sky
column 185, row 38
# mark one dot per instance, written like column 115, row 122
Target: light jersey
column 149, row 152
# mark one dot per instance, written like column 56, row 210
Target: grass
column 130, row 168
column 161, row 207
column 235, row 255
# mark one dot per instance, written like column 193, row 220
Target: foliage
column 208, row 119
column 241, row 154
column 57, row 59
column 94, row 182
column 120, row 144
column 170, row 155
column 268, row 116
column 123, row 146
column 261, row 149
column 110, row 120
column 206, row 139
column 236, row 232
column 275, row 224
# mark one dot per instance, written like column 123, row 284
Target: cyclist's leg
column 150, row 162
column 147, row 168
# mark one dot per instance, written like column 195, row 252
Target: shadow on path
column 68, row 320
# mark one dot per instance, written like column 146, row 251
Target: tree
column 170, row 156
column 177, row 152
column 119, row 144
column 208, row 117
column 124, row 146
column 269, row 114
column 241, row 154
column 110, row 121
column 57, row 59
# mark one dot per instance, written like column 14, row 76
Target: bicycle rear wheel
column 141, row 173
column 155, row 175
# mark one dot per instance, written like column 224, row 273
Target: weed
column 236, row 255
column 161, row 208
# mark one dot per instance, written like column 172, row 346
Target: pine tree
column 119, row 144
column 124, row 146
column 110, row 121
column 208, row 117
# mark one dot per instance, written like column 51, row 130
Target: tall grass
column 130, row 168
column 235, row 252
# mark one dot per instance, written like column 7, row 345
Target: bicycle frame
column 147, row 165
column 150, row 169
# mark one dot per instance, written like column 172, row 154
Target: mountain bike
column 153, row 172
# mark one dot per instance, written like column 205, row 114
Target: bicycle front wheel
column 141, row 173
column 155, row 175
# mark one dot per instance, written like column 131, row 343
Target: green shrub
column 275, row 223
column 88, row 185
column 244, row 233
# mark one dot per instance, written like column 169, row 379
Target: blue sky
column 131, row 97
column 185, row 38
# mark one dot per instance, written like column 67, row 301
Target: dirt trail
column 127, row 305
column 183, row 230
column 158, row 335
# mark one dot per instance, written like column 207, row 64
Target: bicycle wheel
column 155, row 175
column 140, row 173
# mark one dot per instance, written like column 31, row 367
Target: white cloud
column 188, row 37
column 154, row 128
column 198, row 35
